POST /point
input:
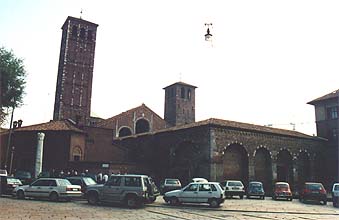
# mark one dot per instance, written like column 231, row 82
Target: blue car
column 255, row 189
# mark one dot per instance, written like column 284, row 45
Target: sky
column 267, row 59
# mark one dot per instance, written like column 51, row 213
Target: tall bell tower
column 75, row 71
column 179, row 104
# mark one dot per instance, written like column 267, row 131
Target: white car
column 335, row 194
column 208, row 192
column 233, row 188
column 52, row 188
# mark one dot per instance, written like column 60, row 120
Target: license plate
column 75, row 189
column 235, row 188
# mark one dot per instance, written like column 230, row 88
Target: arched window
column 89, row 35
column 74, row 31
column 189, row 94
column 77, row 153
column 82, row 33
column 124, row 132
column 142, row 126
column 182, row 92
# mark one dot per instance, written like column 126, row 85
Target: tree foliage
column 12, row 78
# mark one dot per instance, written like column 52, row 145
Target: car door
column 36, row 189
column 204, row 192
column 112, row 189
column 189, row 194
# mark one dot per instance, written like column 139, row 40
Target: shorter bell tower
column 179, row 104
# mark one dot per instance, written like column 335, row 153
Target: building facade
column 75, row 71
column 327, row 122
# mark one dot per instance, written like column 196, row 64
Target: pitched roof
column 234, row 125
column 334, row 94
column 112, row 119
column 181, row 83
column 63, row 125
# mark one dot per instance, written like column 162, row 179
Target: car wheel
column 131, row 201
column 54, row 197
column 92, row 198
column 263, row 197
column 248, row 196
column 241, row 196
column 325, row 202
column 290, row 199
column 173, row 201
column 274, row 198
column 20, row 194
column 214, row 203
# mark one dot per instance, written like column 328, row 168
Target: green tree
column 12, row 79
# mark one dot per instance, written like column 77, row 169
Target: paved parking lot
column 11, row 208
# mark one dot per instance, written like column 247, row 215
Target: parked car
column 83, row 181
column 255, row 189
column 282, row 190
column 233, row 188
column 199, row 180
column 169, row 185
column 132, row 190
column 207, row 192
column 3, row 172
column 24, row 176
column 335, row 194
column 52, row 188
column 313, row 192
column 8, row 184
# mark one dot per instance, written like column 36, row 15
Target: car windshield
column 281, row 185
column 172, row 181
column 89, row 181
column 234, row 184
column 256, row 185
column 64, row 182
column 23, row 174
column 13, row 181
column 314, row 186
column 336, row 187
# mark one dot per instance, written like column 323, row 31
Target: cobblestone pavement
column 11, row 208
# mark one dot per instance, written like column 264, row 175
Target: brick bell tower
column 75, row 71
column 179, row 104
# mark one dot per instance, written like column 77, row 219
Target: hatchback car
column 314, row 192
column 233, row 188
column 255, row 189
column 210, row 192
column 24, row 176
column 282, row 190
column 52, row 188
column 82, row 181
column 335, row 194
column 8, row 184
column 169, row 185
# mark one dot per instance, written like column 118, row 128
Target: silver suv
column 132, row 190
column 233, row 188
column 203, row 192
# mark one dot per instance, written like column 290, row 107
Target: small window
column 74, row 31
column 192, row 188
column 213, row 187
column 189, row 94
column 182, row 92
column 114, row 181
column 332, row 112
column 82, row 33
column 77, row 152
column 89, row 35
column 204, row 187
column 132, row 181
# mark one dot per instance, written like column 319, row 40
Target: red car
column 282, row 190
column 313, row 192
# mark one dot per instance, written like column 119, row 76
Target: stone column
column 251, row 172
column 274, row 170
column 39, row 153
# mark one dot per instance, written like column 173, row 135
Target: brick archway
column 285, row 167
column 235, row 163
column 263, row 168
column 141, row 126
column 125, row 131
